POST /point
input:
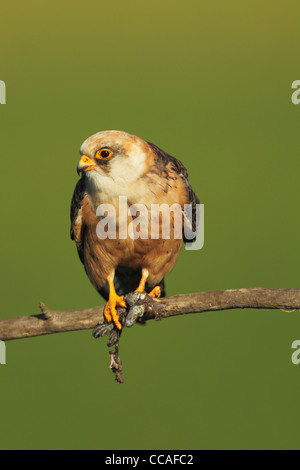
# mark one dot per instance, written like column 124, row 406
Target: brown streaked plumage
column 113, row 164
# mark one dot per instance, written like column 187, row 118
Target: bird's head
column 116, row 155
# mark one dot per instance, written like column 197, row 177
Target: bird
column 114, row 164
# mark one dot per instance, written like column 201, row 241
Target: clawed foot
column 155, row 293
column 110, row 310
column 136, row 303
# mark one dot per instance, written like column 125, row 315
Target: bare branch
column 49, row 322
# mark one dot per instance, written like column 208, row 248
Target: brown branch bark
column 49, row 322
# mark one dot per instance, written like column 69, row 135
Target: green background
column 210, row 83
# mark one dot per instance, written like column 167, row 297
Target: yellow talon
column 155, row 293
column 110, row 310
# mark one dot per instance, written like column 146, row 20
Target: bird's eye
column 104, row 154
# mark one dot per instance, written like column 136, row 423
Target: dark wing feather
column 77, row 228
column 163, row 160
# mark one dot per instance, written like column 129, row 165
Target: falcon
column 114, row 164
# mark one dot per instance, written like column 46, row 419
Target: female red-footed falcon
column 114, row 164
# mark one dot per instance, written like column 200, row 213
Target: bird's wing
column 165, row 162
column 77, row 226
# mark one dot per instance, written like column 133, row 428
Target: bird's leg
column 142, row 285
column 110, row 310
column 155, row 293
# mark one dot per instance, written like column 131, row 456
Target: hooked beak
column 85, row 164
